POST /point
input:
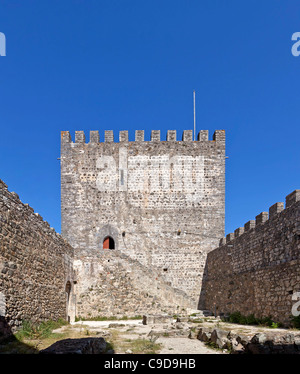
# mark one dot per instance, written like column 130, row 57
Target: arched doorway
column 108, row 231
column 108, row 243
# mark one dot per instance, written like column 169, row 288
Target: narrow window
column 122, row 177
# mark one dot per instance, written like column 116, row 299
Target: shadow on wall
column 201, row 302
column 9, row 344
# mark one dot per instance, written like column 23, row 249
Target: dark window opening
column 108, row 243
column 68, row 289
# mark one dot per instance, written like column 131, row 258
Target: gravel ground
column 170, row 345
column 184, row 346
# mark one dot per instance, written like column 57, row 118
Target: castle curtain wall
column 35, row 266
column 256, row 269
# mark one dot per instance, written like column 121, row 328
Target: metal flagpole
column 194, row 115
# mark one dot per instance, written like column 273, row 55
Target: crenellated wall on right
column 256, row 269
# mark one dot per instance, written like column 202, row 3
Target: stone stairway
column 117, row 285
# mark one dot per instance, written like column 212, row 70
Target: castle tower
column 161, row 202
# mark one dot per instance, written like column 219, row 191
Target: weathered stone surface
column 194, row 332
column 77, row 346
column 243, row 339
column 220, row 338
column 156, row 319
column 35, row 265
column 235, row 345
column 259, row 344
column 172, row 330
column 115, row 325
column 273, row 342
column 257, row 272
column 204, row 334
column 114, row 284
column 162, row 203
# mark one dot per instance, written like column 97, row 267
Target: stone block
column 77, row 346
column 275, row 209
column 292, row 198
column 157, row 319
column 94, row 137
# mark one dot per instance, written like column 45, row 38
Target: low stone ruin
column 271, row 342
column 77, row 346
column 151, row 319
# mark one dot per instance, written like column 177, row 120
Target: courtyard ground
column 133, row 337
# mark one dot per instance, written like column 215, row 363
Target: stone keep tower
column 160, row 202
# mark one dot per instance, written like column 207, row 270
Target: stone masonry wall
column 113, row 284
column 256, row 269
column 35, row 265
column 162, row 202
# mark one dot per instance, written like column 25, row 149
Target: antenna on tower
column 194, row 94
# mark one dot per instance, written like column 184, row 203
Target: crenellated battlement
column 14, row 198
column 262, row 218
column 255, row 270
column 155, row 136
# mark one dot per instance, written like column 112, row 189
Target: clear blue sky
column 131, row 65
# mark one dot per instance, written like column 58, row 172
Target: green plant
column 137, row 317
column 296, row 321
column 235, row 317
column 266, row 321
column 97, row 318
column 105, row 318
column 251, row 320
column 274, row 325
column 212, row 345
column 43, row 330
column 238, row 318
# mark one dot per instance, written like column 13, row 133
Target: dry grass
column 122, row 342
column 117, row 340
column 33, row 345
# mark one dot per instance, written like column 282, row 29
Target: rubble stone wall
column 113, row 284
column 256, row 269
column 35, row 266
